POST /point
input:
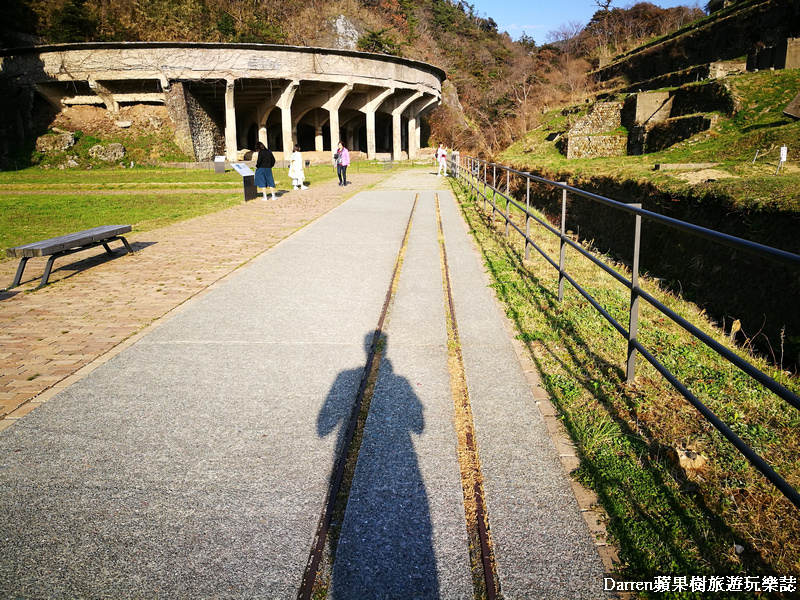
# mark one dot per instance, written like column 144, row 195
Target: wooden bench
column 66, row 244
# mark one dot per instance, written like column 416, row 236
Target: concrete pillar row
column 285, row 104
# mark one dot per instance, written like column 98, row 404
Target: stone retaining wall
column 596, row 146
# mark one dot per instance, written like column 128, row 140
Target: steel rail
column 315, row 558
column 472, row 446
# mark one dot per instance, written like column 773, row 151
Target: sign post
column 784, row 156
column 248, row 180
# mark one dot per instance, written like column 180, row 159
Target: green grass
column 759, row 125
column 25, row 219
column 51, row 205
column 663, row 519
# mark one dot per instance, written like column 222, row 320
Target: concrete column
column 332, row 106
column 397, row 140
column 413, row 140
column 105, row 95
column 263, row 113
column 370, row 134
column 230, row 122
column 285, row 104
column 333, row 124
column 318, row 145
column 397, row 134
column 370, row 108
column 415, row 111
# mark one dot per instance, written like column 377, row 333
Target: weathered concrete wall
column 242, row 93
column 197, row 133
column 663, row 135
column 727, row 37
column 785, row 55
column 657, row 120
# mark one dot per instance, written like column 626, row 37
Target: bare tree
column 566, row 37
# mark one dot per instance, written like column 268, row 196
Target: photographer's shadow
column 385, row 549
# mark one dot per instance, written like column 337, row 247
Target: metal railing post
column 527, row 217
column 485, row 177
column 633, row 328
column 508, row 204
column 494, row 193
column 562, row 258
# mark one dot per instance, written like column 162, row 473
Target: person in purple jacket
column 342, row 159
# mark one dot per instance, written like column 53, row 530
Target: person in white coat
column 296, row 173
column 441, row 158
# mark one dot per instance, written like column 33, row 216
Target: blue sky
column 537, row 17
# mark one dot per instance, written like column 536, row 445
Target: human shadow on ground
column 385, row 548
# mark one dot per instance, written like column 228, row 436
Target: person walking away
column 441, row 156
column 342, row 160
column 264, row 164
column 296, row 170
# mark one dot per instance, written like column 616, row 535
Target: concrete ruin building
column 226, row 97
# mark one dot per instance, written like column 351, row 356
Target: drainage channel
column 316, row 579
column 484, row 571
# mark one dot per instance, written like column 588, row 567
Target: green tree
column 378, row 42
column 73, row 22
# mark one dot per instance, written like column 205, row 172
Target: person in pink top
column 342, row 159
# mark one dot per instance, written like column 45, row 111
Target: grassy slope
column 665, row 520
column 759, row 125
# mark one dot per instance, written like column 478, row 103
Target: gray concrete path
column 195, row 464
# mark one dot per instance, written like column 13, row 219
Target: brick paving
column 94, row 303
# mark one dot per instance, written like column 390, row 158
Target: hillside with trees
column 497, row 88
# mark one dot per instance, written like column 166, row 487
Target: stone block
column 787, row 54
column 652, row 107
column 55, row 143
column 111, row 153
column 793, row 110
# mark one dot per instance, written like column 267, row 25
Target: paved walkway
column 50, row 334
column 196, row 461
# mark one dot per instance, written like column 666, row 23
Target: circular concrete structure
column 225, row 97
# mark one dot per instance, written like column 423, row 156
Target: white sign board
column 784, row 153
column 242, row 169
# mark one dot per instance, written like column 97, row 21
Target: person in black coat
column 264, row 164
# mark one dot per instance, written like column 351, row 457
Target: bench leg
column 20, row 269
column 127, row 245
column 107, row 248
column 48, row 267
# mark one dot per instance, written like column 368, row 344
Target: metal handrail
column 468, row 170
